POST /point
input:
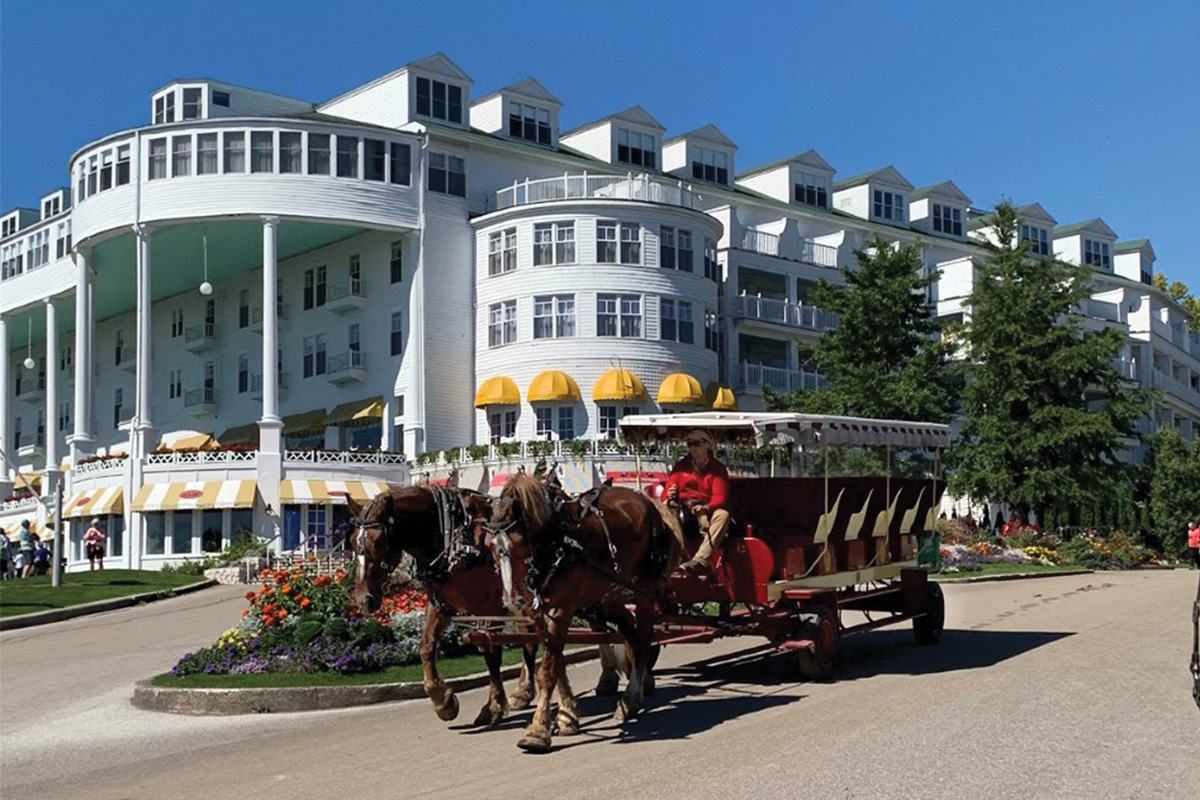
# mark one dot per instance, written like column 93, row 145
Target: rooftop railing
column 643, row 188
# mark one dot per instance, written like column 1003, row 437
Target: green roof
column 1131, row 246
column 1074, row 227
column 857, row 179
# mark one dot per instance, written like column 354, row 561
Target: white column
column 52, row 462
column 81, row 441
column 143, row 421
column 270, row 427
column 5, row 409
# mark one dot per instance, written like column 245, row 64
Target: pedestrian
column 41, row 559
column 1194, row 542
column 5, row 547
column 25, row 543
column 93, row 542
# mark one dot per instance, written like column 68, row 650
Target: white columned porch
column 81, row 440
column 52, row 470
column 141, row 434
column 5, row 412
column 270, row 426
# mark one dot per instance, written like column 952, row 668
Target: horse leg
column 523, row 695
column 497, row 704
column 567, row 721
column 445, row 703
column 552, row 634
column 648, row 680
column 613, row 662
column 637, row 631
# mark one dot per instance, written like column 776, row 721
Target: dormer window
column 1147, row 271
column 710, row 165
column 811, row 190
column 1038, row 238
column 529, row 123
column 1096, row 254
column 191, row 102
column 439, row 100
column 220, row 99
column 8, row 227
column 636, row 149
column 947, row 219
column 889, row 205
column 164, row 108
column 51, row 206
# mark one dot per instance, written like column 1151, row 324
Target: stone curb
column 225, row 702
column 1015, row 576
column 59, row 614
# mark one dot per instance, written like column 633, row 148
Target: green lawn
column 27, row 595
column 447, row 668
column 1000, row 569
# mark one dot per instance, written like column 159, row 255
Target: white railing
column 197, row 397
column 1181, row 389
column 200, row 333
column 596, row 187
column 796, row 315
column 1126, row 368
column 779, row 379
column 341, row 362
column 204, row 457
column 823, row 255
column 101, row 466
column 355, row 287
column 769, row 244
column 760, row 242
column 1098, row 309
column 343, row 457
column 24, row 502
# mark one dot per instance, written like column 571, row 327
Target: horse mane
column 532, row 497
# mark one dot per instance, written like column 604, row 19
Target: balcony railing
column 99, row 466
column 256, row 316
column 1180, row 389
column 779, row 379
column 760, row 242
column 200, row 337
column 341, row 362
column 353, row 288
column 781, row 312
column 204, row 457
column 343, row 457
column 596, row 187
column 769, row 244
column 24, row 502
column 206, row 396
column 1126, row 368
column 126, row 357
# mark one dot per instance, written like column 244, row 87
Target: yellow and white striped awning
column 314, row 491
column 95, row 503
column 195, row 494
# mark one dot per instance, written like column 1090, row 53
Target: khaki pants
column 712, row 528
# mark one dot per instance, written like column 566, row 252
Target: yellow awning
column 194, row 494
column 242, row 434
column 297, row 492
column 371, row 408
column 553, row 386
column 95, row 503
column 498, row 391
column 679, row 388
column 187, row 440
column 28, row 480
column 720, row 397
column 619, row 384
column 307, row 421
column 12, row 527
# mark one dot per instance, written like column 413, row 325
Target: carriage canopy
column 804, row 430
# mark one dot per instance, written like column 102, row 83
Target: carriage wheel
column 819, row 624
column 928, row 629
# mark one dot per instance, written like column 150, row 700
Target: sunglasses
column 697, row 443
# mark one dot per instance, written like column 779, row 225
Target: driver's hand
column 672, row 492
column 700, row 510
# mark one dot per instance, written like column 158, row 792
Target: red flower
column 286, row 588
column 305, row 602
column 251, row 596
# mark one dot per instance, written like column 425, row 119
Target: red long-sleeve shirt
column 709, row 485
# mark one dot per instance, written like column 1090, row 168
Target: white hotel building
column 404, row 269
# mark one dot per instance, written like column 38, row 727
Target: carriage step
column 798, row 644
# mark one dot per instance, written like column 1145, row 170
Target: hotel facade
column 253, row 307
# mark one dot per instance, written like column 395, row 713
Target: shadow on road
column 895, row 653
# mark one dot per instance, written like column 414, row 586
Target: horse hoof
column 566, row 727
column 625, row 712
column 489, row 716
column 606, row 688
column 519, row 701
column 535, row 742
column 449, row 710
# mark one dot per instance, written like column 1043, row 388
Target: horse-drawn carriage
column 842, row 533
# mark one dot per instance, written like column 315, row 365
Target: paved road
column 1069, row 687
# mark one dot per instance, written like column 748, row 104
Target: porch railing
column 596, row 187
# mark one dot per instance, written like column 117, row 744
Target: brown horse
column 596, row 554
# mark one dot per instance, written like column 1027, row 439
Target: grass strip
column 29, row 595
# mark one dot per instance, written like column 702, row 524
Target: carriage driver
column 702, row 482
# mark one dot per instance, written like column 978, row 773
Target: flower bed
column 300, row 622
column 967, row 550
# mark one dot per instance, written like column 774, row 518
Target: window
column 122, row 165
column 712, row 267
column 554, row 316
column 206, row 154
column 181, row 532
column 1095, row 254
column 710, row 165
column 176, row 323
column 397, row 333
column 164, row 108
column 291, row 155
column 502, row 425
column 354, row 270
column 502, row 323
column 619, row 315
column 566, row 422
column 666, row 247
column 947, row 219
column 17, row 433
column 396, row 263
column 314, row 355
column 64, row 417
column 181, row 156
column 401, row 164
column 106, row 168
column 191, row 103
column 235, row 152
column 675, row 321
column 447, row 175
column 686, row 259
column 314, row 287
column 609, row 415
column 220, row 99
column 175, row 384
column 606, row 241
column 811, row 190
column 318, row 154
column 710, row 331
column 502, row 251
column 347, row 156
column 354, row 338
column 1038, row 238
column 631, row 243
column 529, row 123
column 544, row 422
column 158, row 160
column 156, row 533
column 118, row 399
column 889, row 205
column 439, row 100
column 262, row 151
column 1147, row 271
column 244, row 308
column 374, row 159
column 243, row 382
column 65, row 357
column 636, row 149
column 554, row 243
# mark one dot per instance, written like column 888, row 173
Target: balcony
column 1175, row 387
column 200, row 338
column 809, row 252
column 256, row 386
column 30, row 388
column 642, row 188
column 200, row 402
column 781, row 312
column 126, row 358
column 345, row 368
column 35, row 449
column 256, row 318
column 346, row 297
column 1126, row 368
column 755, row 376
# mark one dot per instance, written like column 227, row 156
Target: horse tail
column 676, row 550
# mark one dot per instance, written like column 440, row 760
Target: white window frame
column 947, row 219
column 710, row 165
column 636, row 142
column 502, row 323
column 888, row 205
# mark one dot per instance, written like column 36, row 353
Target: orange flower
column 286, row 588
column 322, row 580
column 305, row 602
column 245, row 612
column 251, row 596
column 340, row 575
column 282, row 613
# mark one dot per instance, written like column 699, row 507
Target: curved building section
column 587, row 286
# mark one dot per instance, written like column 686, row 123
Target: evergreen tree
column 885, row 358
column 1044, row 407
column 1174, row 488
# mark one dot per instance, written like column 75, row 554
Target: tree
column 1174, row 488
column 1045, row 411
column 885, row 358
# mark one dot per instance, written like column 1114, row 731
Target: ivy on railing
column 508, row 449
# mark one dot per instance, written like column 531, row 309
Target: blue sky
column 1090, row 108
